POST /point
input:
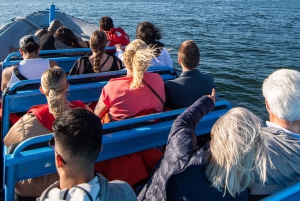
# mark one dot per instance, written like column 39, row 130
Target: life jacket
column 116, row 36
column 44, row 116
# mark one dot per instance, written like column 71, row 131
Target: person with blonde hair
column 98, row 60
column 139, row 93
column 222, row 169
column 281, row 91
column 38, row 121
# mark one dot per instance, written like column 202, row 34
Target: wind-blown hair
column 281, row 89
column 238, row 150
column 148, row 32
column 137, row 58
column 55, row 84
column 98, row 44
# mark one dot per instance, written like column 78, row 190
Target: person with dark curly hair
column 151, row 35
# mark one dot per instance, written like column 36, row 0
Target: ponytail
column 98, row 45
column 54, row 84
column 140, row 63
column 58, row 102
column 137, row 58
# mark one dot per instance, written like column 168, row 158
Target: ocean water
column 241, row 41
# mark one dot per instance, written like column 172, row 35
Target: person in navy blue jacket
column 221, row 170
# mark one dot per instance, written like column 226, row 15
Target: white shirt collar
column 270, row 124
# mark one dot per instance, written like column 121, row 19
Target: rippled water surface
column 241, row 41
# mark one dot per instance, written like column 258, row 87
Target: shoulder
column 52, row 63
column 116, row 190
column 26, row 127
column 8, row 71
column 120, row 190
column 152, row 76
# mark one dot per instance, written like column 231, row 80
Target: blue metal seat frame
column 64, row 61
column 33, row 163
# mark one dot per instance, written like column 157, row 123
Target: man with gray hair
column 281, row 91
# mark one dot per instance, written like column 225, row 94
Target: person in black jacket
column 221, row 170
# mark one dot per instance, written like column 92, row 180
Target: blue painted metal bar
column 288, row 194
column 52, row 12
column 33, row 163
column 154, row 116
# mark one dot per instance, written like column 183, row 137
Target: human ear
column 179, row 61
column 41, row 90
column 59, row 161
column 267, row 105
column 21, row 52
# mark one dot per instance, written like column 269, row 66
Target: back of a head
column 55, row 85
column 148, row 32
column 98, row 44
column 237, row 150
column 106, row 23
column 29, row 43
column 79, row 135
column 189, row 54
column 54, row 25
column 281, row 89
column 137, row 58
column 66, row 36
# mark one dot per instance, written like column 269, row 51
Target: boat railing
column 87, row 88
column 290, row 193
column 27, row 161
column 62, row 57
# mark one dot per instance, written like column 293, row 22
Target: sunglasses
column 52, row 145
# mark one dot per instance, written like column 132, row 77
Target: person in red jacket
column 114, row 35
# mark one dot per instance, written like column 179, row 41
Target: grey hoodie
column 284, row 150
column 97, row 189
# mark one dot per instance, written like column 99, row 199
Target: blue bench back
column 37, row 162
column 19, row 98
column 65, row 62
column 291, row 193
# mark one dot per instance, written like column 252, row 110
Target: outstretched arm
column 185, row 124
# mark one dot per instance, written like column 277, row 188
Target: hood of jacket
column 283, row 169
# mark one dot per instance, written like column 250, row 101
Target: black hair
column 148, row 32
column 66, row 36
column 79, row 135
column 30, row 46
column 106, row 23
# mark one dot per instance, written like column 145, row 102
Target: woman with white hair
column 221, row 170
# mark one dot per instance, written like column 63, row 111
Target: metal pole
column 52, row 12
